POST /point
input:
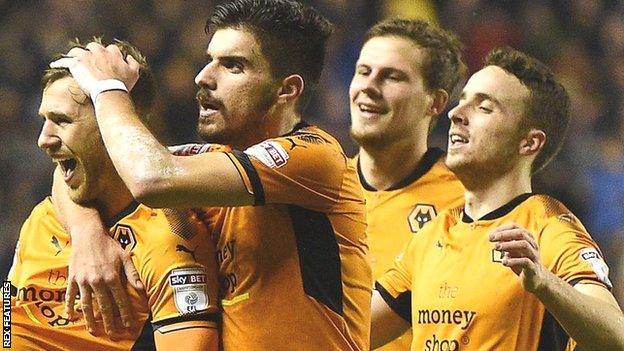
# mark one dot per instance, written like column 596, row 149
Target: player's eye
column 362, row 71
column 485, row 109
column 233, row 66
column 395, row 77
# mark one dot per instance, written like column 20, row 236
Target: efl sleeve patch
column 189, row 289
column 270, row 153
column 591, row 256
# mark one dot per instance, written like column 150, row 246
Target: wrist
column 101, row 86
column 541, row 286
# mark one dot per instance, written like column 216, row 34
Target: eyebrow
column 54, row 115
column 242, row 59
column 483, row 96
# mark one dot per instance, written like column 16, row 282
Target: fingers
column 64, row 62
column 107, row 309
column 70, row 300
column 518, row 264
column 133, row 63
column 123, row 305
column 131, row 273
column 518, row 248
column 87, row 307
column 94, row 47
column 510, row 233
column 114, row 50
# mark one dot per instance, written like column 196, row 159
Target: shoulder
column 551, row 211
column 42, row 214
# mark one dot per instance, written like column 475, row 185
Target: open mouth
column 68, row 167
column 457, row 140
column 371, row 109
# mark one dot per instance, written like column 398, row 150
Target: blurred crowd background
column 582, row 40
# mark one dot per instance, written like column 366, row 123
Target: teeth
column 365, row 108
column 457, row 139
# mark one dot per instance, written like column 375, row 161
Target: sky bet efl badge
column 189, row 289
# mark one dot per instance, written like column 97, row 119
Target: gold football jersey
column 171, row 252
column 294, row 268
column 451, row 285
column 395, row 215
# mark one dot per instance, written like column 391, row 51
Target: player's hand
column 95, row 270
column 521, row 254
column 96, row 62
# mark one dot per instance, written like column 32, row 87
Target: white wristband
column 105, row 85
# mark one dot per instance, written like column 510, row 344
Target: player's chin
column 80, row 196
column 211, row 133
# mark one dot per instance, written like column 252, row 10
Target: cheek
column 354, row 87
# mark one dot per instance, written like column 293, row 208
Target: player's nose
column 207, row 77
column 457, row 115
column 47, row 137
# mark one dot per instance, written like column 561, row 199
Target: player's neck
column 113, row 202
column 386, row 166
column 272, row 126
column 486, row 195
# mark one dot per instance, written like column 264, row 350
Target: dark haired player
column 510, row 270
column 290, row 215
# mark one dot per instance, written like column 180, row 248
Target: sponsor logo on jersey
column 125, row 236
column 269, row 152
column 591, row 256
column 420, row 215
column 189, row 289
column 439, row 344
column 461, row 318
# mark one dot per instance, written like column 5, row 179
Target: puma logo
column 293, row 144
column 183, row 248
column 57, row 245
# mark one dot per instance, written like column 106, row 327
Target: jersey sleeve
column 194, row 149
column 395, row 286
column 305, row 169
column 569, row 251
column 179, row 272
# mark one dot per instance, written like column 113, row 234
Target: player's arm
column 195, row 336
column 587, row 312
column 386, row 324
column 95, row 262
column 153, row 175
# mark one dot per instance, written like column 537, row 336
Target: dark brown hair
column 443, row 67
column 291, row 35
column 548, row 107
column 143, row 92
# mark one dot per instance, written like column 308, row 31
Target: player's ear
column 439, row 98
column 290, row 89
column 533, row 142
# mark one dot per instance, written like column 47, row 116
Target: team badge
column 497, row 256
column 591, row 256
column 271, row 153
column 125, row 236
column 189, row 289
column 420, row 215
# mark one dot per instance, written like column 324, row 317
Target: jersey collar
column 501, row 211
column 125, row 212
column 431, row 156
